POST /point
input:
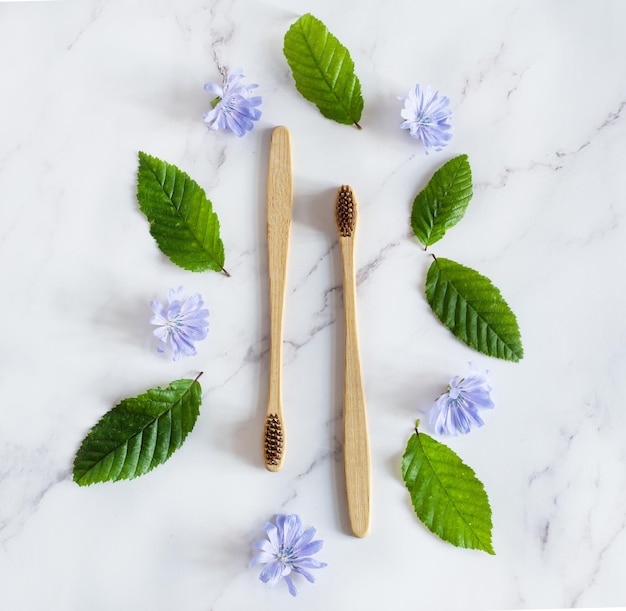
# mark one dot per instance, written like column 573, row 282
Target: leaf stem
column 198, row 376
column 225, row 273
column 357, row 125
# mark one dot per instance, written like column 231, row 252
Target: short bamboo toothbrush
column 356, row 441
column 279, row 209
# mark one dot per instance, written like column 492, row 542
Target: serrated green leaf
column 473, row 309
column 442, row 203
column 446, row 494
column 323, row 70
column 138, row 434
column 181, row 217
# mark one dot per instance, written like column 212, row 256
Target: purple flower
column 457, row 409
column 427, row 117
column 181, row 324
column 287, row 550
column 234, row 107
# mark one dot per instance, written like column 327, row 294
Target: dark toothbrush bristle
column 273, row 440
column 345, row 211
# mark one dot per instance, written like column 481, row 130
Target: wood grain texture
column 279, row 212
column 357, row 461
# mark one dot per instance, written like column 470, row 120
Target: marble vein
column 559, row 157
column 222, row 30
column 27, row 480
column 597, row 565
column 366, row 271
column 490, row 63
column 96, row 11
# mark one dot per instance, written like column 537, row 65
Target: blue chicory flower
column 234, row 108
column 427, row 117
column 182, row 323
column 287, row 550
column 456, row 410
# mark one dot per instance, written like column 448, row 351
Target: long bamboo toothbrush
column 356, row 440
column 279, row 209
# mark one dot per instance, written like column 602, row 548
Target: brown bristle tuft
column 273, row 440
column 345, row 211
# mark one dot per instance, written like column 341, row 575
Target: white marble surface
column 538, row 90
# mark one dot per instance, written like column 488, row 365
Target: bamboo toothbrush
column 279, row 208
column 356, row 442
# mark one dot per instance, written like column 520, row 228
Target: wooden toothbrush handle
column 279, row 212
column 356, row 438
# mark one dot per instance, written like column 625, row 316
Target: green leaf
column 446, row 494
column 442, row 203
column 473, row 309
column 138, row 434
column 181, row 217
column 323, row 70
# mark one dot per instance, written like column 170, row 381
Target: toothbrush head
column 345, row 211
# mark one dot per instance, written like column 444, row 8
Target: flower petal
column 273, row 535
column 309, row 549
column 291, row 526
column 306, row 537
column 215, row 89
column 305, row 574
column 272, row 572
column 265, row 545
column 310, row 563
column 262, row 558
column 292, row 588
